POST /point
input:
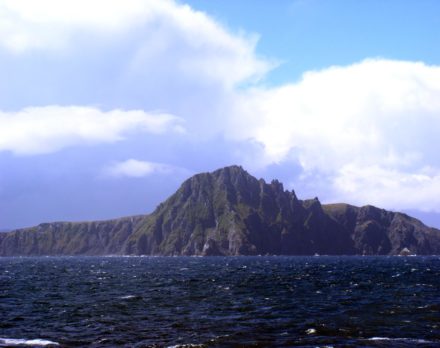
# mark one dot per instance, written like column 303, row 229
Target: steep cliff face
column 66, row 238
column 376, row 231
column 229, row 212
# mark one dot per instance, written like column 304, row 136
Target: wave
column 130, row 297
column 406, row 340
column 190, row 345
column 12, row 342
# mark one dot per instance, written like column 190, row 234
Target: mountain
column 229, row 212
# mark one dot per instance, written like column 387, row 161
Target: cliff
column 376, row 231
column 229, row 212
column 69, row 238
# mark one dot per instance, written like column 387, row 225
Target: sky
column 106, row 106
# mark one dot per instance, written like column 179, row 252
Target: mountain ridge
column 229, row 212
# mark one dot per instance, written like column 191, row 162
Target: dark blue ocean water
column 220, row 302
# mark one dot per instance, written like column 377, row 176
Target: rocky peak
column 313, row 205
column 277, row 186
column 229, row 212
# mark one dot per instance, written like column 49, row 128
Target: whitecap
column 310, row 331
column 379, row 339
column 408, row 340
column 129, row 297
column 189, row 345
column 11, row 342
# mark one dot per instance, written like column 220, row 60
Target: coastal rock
column 69, row 238
column 376, row 231
column 229, row 212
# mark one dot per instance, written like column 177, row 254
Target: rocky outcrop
column 229, row 212
column 376, row 231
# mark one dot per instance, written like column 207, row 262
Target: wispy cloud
column 40, row 130
column 134, row 168
column 52, row 24
column 389, row 187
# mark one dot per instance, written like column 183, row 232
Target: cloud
column 155, row 33
column 378, row 117
column 369, row 111
column 130, row 54
column 364, row 132
column 28, row 24
column 137, row 169
column 40, row 130
column 418, row 189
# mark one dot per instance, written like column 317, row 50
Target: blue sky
column 107, row 106
column 313, row 34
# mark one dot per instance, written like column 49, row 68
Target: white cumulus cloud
column 39, row 130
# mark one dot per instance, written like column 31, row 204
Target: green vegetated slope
column 69, row 238
column 229, row 212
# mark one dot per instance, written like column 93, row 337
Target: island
column 229, row 212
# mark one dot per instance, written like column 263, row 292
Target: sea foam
column 11, row 342
column 406, row 340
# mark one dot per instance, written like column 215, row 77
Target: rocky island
column 229, row 212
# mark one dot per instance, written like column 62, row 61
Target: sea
column 261, row 301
